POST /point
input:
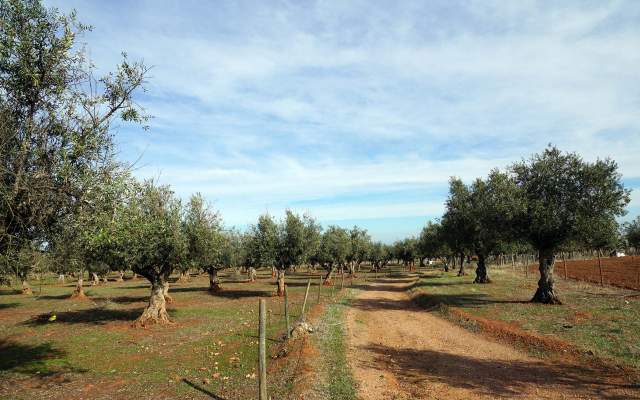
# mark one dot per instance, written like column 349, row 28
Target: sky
column 359, row 112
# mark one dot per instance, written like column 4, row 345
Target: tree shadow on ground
column 428, row 302
column 187, row 289
column 238, row 294
column 434, row 283
column 148, row 286
column 236, row 280
column 95, row 316
column 425, row 300
column 379, row 288
column 33, row 359
column 498, row 378
column 202, row 390
column 62, row 296
column 5, row 306
column 127, row 299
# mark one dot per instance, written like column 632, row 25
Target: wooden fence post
column 306, row 296
column 286, row 311
column 262, row 380
column 600, row 269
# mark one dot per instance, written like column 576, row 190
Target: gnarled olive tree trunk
column 281, row 282
column 214, row 281
column 78, row 292
column 481, row 271
column 184, row 276
column 26, row 289
column 120, row 276
column 328, row 276
column 165, row 293
column 352, row 269
column 156, row 311
column 251, row 274
column 461, row 271
column 545, row 293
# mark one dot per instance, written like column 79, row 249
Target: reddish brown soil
column 400, row 351
column 616, row 271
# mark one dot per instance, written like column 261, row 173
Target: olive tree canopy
column 55, row 118
column 566, row 198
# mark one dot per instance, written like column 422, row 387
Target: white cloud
column 259, row 106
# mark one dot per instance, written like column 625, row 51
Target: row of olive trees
column 63, row 197
column 299, row 240
column 550, row 203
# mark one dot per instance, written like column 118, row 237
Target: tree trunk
column 26, row 289
column 545, row 293
column 105, row 279
column 273, row 272
column 120, row 276
column 165, row 293
column 135, row 276
column 251, row 273
column 96, row 280
column 78, row 292
column 352, row 269
column 184, row 276
column 600, row 268
column 280, row 282
column 156, row 311
column 327, row 277
column 481, row 271
column 446, row 265
column 461, row 270
column 214, row 281
column 61, row 279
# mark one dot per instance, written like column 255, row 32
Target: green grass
column 92, row 351
column 603, row 320
column 338, row 382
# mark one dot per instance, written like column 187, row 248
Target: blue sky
column 358, row 112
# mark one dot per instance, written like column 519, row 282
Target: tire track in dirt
column 397, row 350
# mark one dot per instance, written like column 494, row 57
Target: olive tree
column 379, row 255
column 632, row 234
column 55, row 123
column 262, row 243
column 406, row 250
column 564, row 195
column 203, row 233
column 290, row 246
column 312, row 239
column 155, row 243
column 334, row 250
column 360, row 247
column 494, row 206
column 456, row 221
column 431, row 245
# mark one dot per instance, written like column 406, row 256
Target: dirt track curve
column 399, row 351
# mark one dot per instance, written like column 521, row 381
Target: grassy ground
column 338, row 382
column 602, row 320
column 91, row 350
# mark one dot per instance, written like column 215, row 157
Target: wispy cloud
column 267, row 105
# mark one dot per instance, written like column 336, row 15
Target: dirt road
column 399, row 351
